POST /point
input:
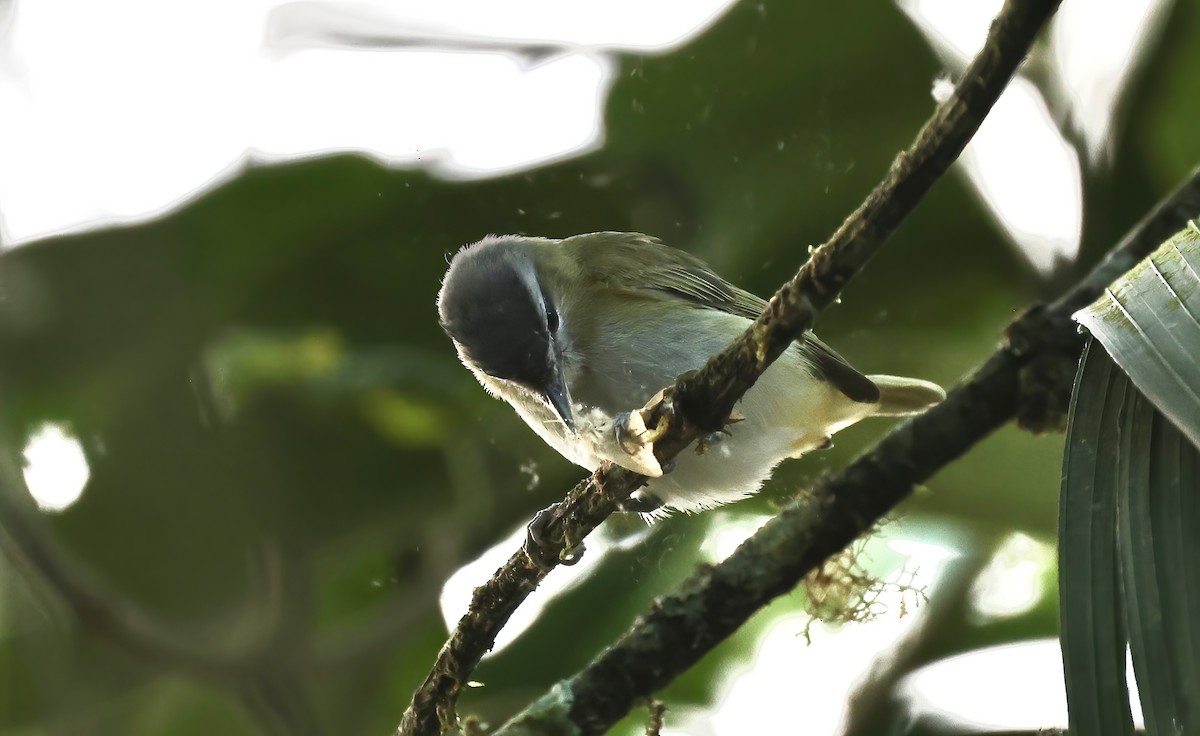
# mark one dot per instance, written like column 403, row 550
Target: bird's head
column 504, row 320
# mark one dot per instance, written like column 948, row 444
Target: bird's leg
column 713, row 438
column 710, row 439
column 537, row 547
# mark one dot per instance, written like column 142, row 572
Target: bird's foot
column 636, row 435
column 710, row 439
column 713, row 438
column 540, row 550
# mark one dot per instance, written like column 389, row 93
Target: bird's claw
column 712, row 438
column 636, row 437
column 539, row 549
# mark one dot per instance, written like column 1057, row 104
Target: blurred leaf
column 1093, row 637
column 1149, row 322
column 404, row 419
column 1164, row 105
column 241, row 361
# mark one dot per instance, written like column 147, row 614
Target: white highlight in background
column 955, row 29
column 56, row 469
column 1094, row 50
column 828, row 669
column 1029, row 177
column 457, row 591
column 1014, row 581
column 1011, row 688
column 1027, row 174
column 1024, row 170
column 118, row 111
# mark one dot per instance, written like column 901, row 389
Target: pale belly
column 787, row 412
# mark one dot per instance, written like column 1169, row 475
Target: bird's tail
column 900, row 397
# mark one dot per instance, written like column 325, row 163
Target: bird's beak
column 556, row 393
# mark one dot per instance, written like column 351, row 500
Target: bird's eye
column 552, row 320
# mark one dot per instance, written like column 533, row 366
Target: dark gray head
column 506, row 323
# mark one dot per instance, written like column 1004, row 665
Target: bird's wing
column 667, row 272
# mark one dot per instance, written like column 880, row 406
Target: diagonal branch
column 706, row 398
column 681, row 628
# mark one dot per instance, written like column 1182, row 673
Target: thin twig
column 705, row 399
column 655, row 711
column 710, row 605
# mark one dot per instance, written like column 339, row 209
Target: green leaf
column 1140, row 565
column 1149, row 322
column 1092, row 632
column 1129, row 557
column 1175, row 487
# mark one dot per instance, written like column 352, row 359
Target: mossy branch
column 705, row 399
column 682, row 627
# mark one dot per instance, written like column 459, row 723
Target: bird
column 576, row 333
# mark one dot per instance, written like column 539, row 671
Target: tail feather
column 900, row 397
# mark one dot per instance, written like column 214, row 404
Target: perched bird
column 573, row 333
